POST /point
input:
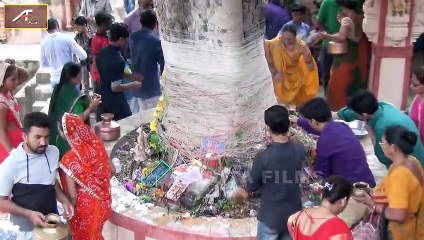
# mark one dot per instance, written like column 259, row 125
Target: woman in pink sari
column 10, row 123
column 416, row 111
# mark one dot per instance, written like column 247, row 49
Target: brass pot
column 337, row 48
column 361, row 188
column 107, row 129
column 55, row 230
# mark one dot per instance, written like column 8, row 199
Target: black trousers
column 326, row 61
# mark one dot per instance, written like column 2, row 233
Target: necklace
column 11, row 105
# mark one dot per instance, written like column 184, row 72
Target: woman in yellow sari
column 293, row 69
column 399, row 198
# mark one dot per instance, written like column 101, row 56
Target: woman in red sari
column 10, row 123
column 88, row 170
column 322, row 222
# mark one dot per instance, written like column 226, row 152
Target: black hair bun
column 410, row 138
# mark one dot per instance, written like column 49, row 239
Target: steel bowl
column 358, row 128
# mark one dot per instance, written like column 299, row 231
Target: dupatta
column 87, row 163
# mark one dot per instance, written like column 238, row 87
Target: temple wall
column 392, row 27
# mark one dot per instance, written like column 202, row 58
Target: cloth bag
column 367, row 229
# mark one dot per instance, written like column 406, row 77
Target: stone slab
column 38, row 106
column 43, row 92
column 42, row 76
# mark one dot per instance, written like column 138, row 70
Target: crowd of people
column 398, row 199
column 291, row 52
column 122, row 64
column 115, row 58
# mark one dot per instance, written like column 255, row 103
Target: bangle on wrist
column 374, row 207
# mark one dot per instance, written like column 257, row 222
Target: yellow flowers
column 153, row 126
column 157, row 115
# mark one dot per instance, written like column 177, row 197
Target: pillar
column 217, row 80
column 68, row 14
column 392, row 27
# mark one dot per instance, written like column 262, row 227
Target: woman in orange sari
column 88, row 170
column 293, row 69
column 10, row 123
column 399, row 198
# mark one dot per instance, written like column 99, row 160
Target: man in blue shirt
column 298, row 12
column 147, row 59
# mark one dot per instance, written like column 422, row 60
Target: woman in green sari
column 350, row 70
column 67, row 98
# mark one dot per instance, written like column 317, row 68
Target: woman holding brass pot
column 399, row 198
column 350, row 50
column 67, row 98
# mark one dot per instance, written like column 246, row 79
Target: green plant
column 146, row 198
column 223, row 205
column 198, row 209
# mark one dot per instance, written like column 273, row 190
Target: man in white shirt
column 30, row 174
column 57, row 49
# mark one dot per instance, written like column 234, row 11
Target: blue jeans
column 266, row 233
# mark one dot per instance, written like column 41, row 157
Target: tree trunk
column 217, row 81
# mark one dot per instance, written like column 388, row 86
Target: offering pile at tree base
column 160, row 174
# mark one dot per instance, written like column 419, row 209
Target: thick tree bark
column 217, row 82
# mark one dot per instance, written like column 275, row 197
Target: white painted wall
column 392, row 73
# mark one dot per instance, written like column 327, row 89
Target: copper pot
column 337, row 48
column 107, row 129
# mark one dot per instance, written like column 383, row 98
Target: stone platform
column 133, row 220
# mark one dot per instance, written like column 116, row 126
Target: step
column 43, row 92
column 38, row 106
column 42, row 76
column 46, row 108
